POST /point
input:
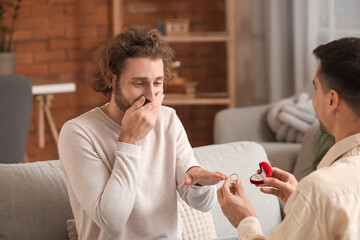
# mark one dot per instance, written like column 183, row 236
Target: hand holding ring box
column 265, row 171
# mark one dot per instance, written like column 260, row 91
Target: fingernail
column 266, row 180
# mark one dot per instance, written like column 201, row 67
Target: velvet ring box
column 265, row 171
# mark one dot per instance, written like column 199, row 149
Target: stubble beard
column 120, row 101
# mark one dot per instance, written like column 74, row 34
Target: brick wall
column 55, row 38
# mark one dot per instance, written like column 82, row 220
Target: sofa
column 34, row 203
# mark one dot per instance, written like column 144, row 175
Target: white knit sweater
column 124, row 191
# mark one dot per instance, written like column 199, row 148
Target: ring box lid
column 266, row 171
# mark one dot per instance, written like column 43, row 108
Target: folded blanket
column 291, row 117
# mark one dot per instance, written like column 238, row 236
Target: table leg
column 50, row 119
column 41, row 121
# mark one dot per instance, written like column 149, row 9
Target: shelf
column 53, row 88
column 199, row 37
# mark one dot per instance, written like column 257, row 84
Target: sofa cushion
column 33, row 201
column 195, row 224
column 242, row 158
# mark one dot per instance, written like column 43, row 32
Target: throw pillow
column 195, row 224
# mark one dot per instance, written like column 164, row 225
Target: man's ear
column 333, row 100
column 112, row 81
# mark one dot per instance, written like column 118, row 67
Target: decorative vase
column 7, row 62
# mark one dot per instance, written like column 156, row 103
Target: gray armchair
column 15, row 110
column 250, row 124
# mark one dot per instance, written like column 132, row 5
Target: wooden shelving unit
column 227, row 37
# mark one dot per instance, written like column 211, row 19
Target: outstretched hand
column 201, row 176
column 283, row 184
column 234, row 202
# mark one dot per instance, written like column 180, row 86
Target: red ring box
column 266, row 171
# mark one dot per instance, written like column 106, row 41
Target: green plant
column 7, row 31
column 323, row 143
column 323, row 140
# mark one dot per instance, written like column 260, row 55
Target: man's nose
column 150, row 93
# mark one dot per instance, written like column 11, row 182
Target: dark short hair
column 340, row 69
column 132, row 42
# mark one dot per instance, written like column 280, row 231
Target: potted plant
column 8, row 16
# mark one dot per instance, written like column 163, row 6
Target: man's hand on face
column 201, row 176
column 283, row 184
column 234, row 202
column 139, row 119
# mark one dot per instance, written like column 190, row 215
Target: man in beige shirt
column 325, row 204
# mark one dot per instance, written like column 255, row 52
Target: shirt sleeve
column 106, row 194
column 249, row 228
column 202, row 198
column 300, row 223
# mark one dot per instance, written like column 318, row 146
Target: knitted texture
column 197, row 225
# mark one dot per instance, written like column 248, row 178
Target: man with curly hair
column 124, row 162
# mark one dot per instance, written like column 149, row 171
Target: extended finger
column 239, row 187
column 274, row 182
column 137, row 104
column 221, row 175
column 280, row 174
column 156, row 103
column 219, row 195
column 226, row 186
column 272, row 191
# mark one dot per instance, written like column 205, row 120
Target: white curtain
column 291, row 30
column 330, row 20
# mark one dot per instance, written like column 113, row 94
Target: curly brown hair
column 132, row 42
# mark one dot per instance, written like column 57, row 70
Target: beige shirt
column 326, row 203
column 122, row 191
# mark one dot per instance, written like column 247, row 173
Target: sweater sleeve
column 106, row 194
column 202, row 198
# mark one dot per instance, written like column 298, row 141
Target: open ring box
column 265, row 171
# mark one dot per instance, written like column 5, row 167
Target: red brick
column 50, row 56
column 65, row 67
column 105, row 31
column 33, row 23
column 49, row 33
column 92, row 43
column 63, row 21
column 23, row 58
column 24, row 12
column 33, row 69
column 31, row 46
column 97, row 20
column 47, row 10
column 64, row 44
column 80, row 8
column 21, row 35
column 79, row 54
column 61, row 1
column 142, row 7
column 32, row 3
column 83, row 32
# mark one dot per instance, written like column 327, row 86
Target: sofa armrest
column 34, row 202
column 243, row 124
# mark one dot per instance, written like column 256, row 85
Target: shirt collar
column 339, row 149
